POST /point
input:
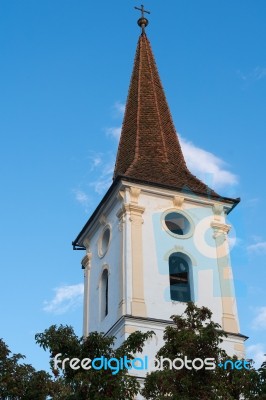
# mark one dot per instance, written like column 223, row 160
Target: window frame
column 102, row 252
column 104, row 294
column 185, row 215
column 187, row 287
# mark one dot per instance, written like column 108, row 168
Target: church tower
column 158, row 238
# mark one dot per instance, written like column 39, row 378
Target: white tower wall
column 137, row 260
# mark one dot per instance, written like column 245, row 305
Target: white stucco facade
column 137, row 260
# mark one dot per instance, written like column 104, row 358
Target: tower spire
column 149, row 148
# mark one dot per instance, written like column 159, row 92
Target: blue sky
column 64, row 74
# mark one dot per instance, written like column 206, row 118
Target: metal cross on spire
column 142, row 22
column 142, row 10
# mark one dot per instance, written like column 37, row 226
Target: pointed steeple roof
column 149, row 150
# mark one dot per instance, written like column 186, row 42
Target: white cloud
column 259, row 73
column 257, row 353
column 114, row 132
column 100, row 178
column 102, row 185
column 258, row 248
column 105, row 178
column 206, row 166
column 82, row 198
column 256, row 74
column 119, row 107
column 96, row 161
column 66, row 298
column 259, row 322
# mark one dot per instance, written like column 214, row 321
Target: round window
column 104, row 241
column 177, row 223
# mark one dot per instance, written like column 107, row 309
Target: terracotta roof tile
column 149, row 149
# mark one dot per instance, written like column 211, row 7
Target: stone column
column 86, row 265
column 138, row 307
column 130, row 218
column 138, row 302
column 121, row 215
column 229, row 321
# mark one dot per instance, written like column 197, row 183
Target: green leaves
column 192, row 335
column 195, row 335
column 20, row 381
column 91, row 384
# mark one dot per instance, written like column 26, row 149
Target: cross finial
column 143, row 22
column 142, row 10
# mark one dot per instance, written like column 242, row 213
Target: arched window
column 104, row 294
column 179, row 277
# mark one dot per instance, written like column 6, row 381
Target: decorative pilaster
column 138, row 302
column 138, row 307
column 121, row 215
column 217, row 211
column 130, row 226
column 229, row 322
column 86, row 265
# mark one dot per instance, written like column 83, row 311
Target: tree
column 262, row 376
column 195, row 336
column 192, row 336
column 20, row 381
column 81, row 384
